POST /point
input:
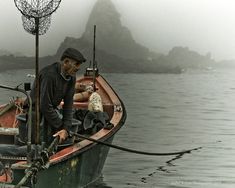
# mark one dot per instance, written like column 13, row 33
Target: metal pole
column 94, row 71
column 37, row 88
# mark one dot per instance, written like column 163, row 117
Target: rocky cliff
column 116, row 50
column 112, row 36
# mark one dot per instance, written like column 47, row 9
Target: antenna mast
column 94, row 61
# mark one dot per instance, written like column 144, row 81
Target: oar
column 40, row 163
column 132, row 150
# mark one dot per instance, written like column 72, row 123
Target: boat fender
column 95, row 103
column 81, row 97
column 80, row 87
column 83, row 92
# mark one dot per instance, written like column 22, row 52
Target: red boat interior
column 111, row 105
column 9, row 127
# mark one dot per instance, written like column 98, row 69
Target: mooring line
column 132, row 150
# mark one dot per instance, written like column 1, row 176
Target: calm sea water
column 167, row 113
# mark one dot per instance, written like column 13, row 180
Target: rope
column 19, row 110
column 39, row 164
column 132, row 150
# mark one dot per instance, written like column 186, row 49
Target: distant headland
column 117, row 51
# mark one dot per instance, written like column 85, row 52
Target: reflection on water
column 172, row 113
column 98, row 184
column 168, row 113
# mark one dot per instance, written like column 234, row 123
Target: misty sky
column 202, row 25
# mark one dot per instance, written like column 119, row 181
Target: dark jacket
column 53, row 89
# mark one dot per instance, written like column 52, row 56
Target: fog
column 202, row 25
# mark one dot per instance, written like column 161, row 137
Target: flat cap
column 73, row 54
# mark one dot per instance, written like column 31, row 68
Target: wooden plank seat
column 9, row 131
column 7, row 150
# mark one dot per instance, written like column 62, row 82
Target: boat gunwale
column 101, row 135
column 107, row 135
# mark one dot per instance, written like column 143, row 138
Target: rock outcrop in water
column 112, row 36
column 116, row 50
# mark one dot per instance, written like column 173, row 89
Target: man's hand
column 63, row 134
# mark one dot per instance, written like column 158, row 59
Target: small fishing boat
column 75, row 164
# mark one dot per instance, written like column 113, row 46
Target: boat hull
column 81, row 163
column 77, row 171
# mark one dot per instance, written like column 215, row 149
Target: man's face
column 71, row 67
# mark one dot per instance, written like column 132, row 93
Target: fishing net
column 30, row 25
column 37, row 8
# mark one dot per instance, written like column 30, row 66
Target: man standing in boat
column 57, row 84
